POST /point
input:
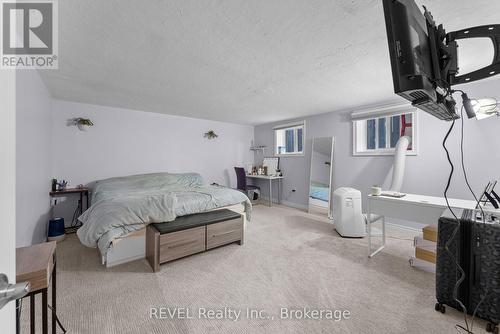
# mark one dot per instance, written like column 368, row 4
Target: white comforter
column 126, row 204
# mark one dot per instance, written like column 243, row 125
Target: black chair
column 241, row 184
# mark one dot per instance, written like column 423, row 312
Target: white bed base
column 126, row 249
column 133, row 247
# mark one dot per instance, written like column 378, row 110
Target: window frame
column 295, row 126
column 377, row 114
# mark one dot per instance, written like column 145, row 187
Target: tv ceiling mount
column 424, row 58
column 489, row 31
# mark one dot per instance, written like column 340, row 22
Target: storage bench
column 192, row 234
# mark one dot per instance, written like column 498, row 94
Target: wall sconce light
column 210, row 134
column 81, row 123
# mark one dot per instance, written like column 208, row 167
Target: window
column 289, row 140
column 377, row 132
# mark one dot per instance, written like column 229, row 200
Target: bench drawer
column 183, row 243
column 219, row 234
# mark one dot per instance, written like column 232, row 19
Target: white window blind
column 383, row 111
column 377, row 130
column 289, row 139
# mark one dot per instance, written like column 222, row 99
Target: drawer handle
column 183, row 244
column 224, row 233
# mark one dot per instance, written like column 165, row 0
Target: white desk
column 270, row 178
column 416, row 208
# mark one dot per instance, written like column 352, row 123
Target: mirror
column 321, row 177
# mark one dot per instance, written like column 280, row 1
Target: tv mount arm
column 489, row 31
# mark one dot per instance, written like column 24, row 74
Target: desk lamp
column 482, row 108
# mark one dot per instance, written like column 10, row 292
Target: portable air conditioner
column 348, row 217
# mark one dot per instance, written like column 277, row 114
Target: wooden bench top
column 195, row 220
column 34, row 264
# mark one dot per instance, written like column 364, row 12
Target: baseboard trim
column 295, row 205
column 265, row 200
column 404, row 227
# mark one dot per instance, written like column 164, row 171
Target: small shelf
column 69, row 191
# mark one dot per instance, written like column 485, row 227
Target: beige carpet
column 290, row 259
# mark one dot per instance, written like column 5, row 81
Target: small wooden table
column 37, row 264
column 69, row 191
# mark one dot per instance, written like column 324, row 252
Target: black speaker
column 476, row 248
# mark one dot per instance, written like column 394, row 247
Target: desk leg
column 270, row 193
column 45, row 322
column 279, row 191
column 383, row 231
column 54, row 297
column 32, row 314
column 18, row 316
column 369, row 228
column 81, row 203
column 368, row 219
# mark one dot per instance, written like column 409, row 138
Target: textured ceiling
column 239, row 61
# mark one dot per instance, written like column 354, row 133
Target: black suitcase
column 476, row 247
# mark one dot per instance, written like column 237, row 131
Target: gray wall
column 33, row 158
column 425, row 173
column 124, row 142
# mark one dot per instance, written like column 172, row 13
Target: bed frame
column 133, row 246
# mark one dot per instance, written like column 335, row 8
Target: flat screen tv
column 414, row 46
column 424, row 57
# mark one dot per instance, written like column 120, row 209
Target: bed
column 123, row 206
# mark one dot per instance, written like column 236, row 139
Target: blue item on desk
column 56, row 229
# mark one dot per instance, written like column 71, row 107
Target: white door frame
column 8, row 190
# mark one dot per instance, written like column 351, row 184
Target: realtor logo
column 29, row 34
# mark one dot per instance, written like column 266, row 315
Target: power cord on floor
column 463, row 165
column 453, row 235
column 76, row 213
column 57, row 319
column 478, row 205
column 20, row 308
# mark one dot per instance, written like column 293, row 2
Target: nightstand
column 70, row 191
